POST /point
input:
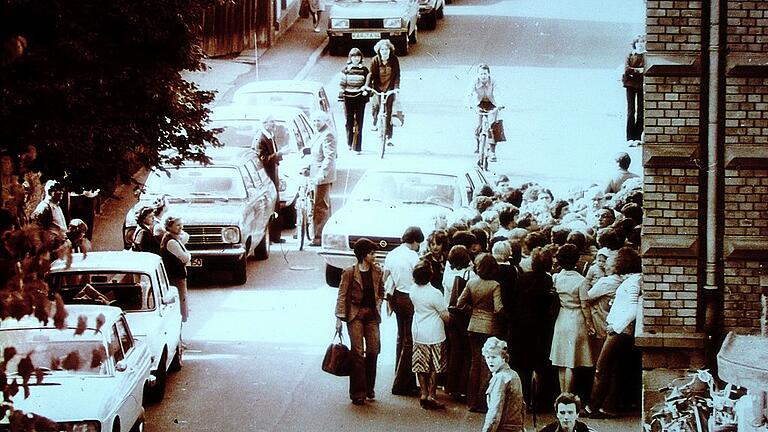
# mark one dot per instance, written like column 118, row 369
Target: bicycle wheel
column 484, row 152
column 302, row 226
column 310, row 219
column 383, row 134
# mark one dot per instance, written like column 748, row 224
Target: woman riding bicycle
column 384, row 76
column 482, row 97
column 354, row 78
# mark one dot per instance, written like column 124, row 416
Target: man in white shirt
column 398, row 278
column 48, row 213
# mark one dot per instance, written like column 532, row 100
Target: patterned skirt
column 429, row 358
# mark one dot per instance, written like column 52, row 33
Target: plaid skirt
column 429, row 358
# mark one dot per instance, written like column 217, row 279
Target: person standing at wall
column 632, row 80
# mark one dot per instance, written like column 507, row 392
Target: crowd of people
column 555, row 281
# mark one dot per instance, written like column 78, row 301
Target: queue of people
column 556, row 282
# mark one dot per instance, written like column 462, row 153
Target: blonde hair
column 495, row 345
column 383, row 43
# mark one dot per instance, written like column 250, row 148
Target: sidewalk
column 289, row 58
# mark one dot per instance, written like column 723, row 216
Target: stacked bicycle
column 694, row 404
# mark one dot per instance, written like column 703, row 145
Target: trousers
column 365, row 341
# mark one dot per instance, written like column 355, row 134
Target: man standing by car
column 270, row 158
column 323, row 173
column 398, row 279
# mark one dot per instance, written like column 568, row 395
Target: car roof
column 254, row 112
column 220, row 156
column 434, row 169
column 74, row 311
column 127, row 261
column 300, row 86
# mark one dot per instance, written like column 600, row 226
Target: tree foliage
column 98, row 89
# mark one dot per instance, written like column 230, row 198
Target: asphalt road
column 254, row 351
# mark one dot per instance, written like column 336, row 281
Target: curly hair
column 494, row 345
column 383, row 43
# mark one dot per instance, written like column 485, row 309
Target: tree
column 98, row 88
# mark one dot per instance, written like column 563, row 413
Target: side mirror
column 306, row 151
column 171, row 296
column 121, row 366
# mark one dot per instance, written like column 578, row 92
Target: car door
column 254, row 206
column 258, row 199
column 169, row 310
column 130, row 386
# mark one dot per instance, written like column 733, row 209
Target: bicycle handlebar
column 486, row 112
column 386, row 93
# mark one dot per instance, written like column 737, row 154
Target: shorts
column 429, row 358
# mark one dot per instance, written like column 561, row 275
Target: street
column 254, row 352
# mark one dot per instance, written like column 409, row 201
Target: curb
column 312, row 60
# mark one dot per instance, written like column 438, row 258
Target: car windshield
column 302, row 100
column 128, row 291
column 407, row 188
column 242, row 133
column 197, row 182
column 56, row 351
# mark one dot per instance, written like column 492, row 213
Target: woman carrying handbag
column 359, row 305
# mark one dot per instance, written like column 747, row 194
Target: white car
column 309, row 96
column 242, row 124
column 430, row 11
column 387, row 201
column 93, row 381
column 135, row 282
column 362, row 23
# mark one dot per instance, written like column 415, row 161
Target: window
column 247, row 178
column 254, row 172
column 124, row 334
column 115, row 349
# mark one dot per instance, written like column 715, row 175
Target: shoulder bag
column 337, row 360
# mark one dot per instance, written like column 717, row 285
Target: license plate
column 366, row 35
column 196, row 262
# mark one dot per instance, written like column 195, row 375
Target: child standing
column 506, row 407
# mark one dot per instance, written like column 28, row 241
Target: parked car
column 387, row 201
column 430, row 11
column 136, row 283
column 308, row 96
column 357, row 22
column 225, row 206
column 242, row 124
column 93, row 381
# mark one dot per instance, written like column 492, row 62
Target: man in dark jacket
column 270, row 158
column 567, row 407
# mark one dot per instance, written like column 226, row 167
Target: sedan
column 387, row 201
column 361, row 22
column 308, row 96
column 135, row 282
column 91, row 379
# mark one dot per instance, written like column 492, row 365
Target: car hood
column 198, row 212
column 380, row 219
column 87, row 398
column 368, row 10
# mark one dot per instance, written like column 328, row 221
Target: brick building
column 705, row 157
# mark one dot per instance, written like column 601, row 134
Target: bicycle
column 695, row 405
column 305, row 204
column 381, row 119
column 482, row 137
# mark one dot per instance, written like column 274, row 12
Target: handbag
column 459, row 316
column 337, row 360
column 497, row 131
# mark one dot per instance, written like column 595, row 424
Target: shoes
column 358, row 152
column 492, row 158
column 389, row 143
column 374, row 128
column 316, row 30
column 278, row 241
column 634, row 143
column 430, row 404
column 358, row 401
column 371, row 395
column 477, row 150
column 458, row 397
column 314, row 244
column 478, row 410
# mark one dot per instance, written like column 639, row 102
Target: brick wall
column 748, row 26
column 673, row 25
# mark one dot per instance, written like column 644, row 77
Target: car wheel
column 240, row 271
column 288, row 216
column 414, row 37
column 441, row 12
column 157, row 393
column 430, row 21
column 332, row 276
column 139, row 425
column 335, row 46
column 401, row 46
column 262, row 249
column 177, row 362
